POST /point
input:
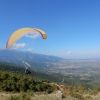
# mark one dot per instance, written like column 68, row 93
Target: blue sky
column 72, row 26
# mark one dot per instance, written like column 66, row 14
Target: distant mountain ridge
column 28, row 59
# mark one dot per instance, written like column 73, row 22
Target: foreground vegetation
column 25, row 87
column 20, row 86
column 27, row 96
column 14, row 82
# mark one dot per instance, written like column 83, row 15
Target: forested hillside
column 87, row 82
column 19, row 69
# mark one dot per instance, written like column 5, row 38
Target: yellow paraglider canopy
column 22, row 32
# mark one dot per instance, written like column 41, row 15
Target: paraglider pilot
column 27, row 70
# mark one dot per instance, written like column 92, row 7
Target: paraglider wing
column 22, row 32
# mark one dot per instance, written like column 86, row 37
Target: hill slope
column 36, row 61
column 9, row 67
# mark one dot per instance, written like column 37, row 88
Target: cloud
column 33, row 35
column 18, row 46
column 69, row 52
column 30, row 49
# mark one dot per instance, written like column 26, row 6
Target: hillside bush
column 12, row 82
column 22, row 96
column 78, row 96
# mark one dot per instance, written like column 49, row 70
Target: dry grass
column 3, row 96
column 97, row 97
column 51, row 97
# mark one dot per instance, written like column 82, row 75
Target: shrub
column 12, row 98
column 22, row 96
column 78, row 96
column 89, row 98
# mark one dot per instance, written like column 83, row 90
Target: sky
column 72, row 26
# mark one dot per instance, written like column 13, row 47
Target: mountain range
column 28, row 59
